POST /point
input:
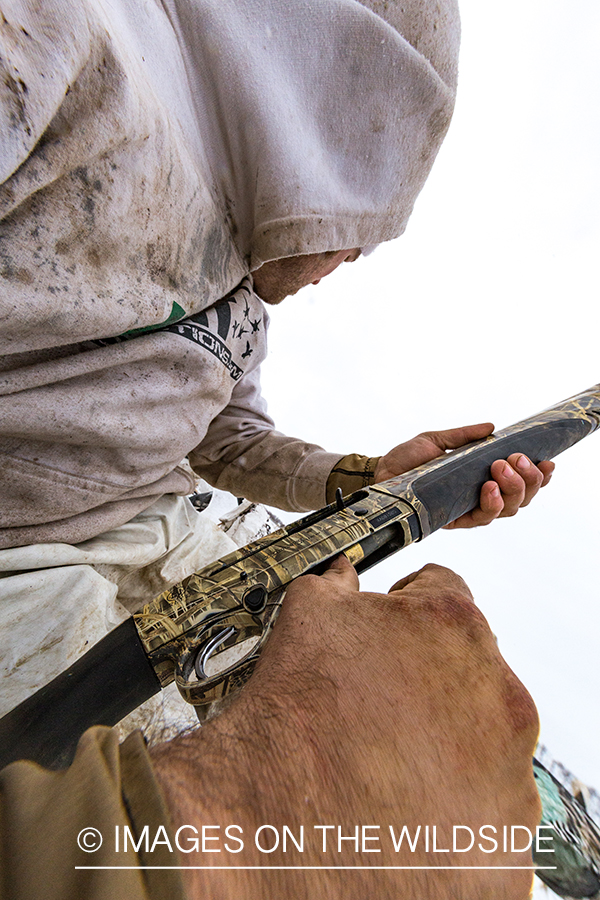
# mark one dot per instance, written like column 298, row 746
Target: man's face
column 276, row 280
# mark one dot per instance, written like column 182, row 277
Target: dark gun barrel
column 239, row 596
column 101, row 688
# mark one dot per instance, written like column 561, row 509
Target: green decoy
column 576, row 842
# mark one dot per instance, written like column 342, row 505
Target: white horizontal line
column 328, row 868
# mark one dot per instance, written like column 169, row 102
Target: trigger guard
column 202, row 693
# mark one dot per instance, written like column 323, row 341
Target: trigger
column 205, row 652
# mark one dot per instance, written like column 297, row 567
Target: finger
column 530, row 473
column 342, row 574
column 494, row 504
column 491, row 504
column 452, row 438
column 433, row 577
column 534, row 476
column 546, row 468
column 403, row 582
column 511, row 484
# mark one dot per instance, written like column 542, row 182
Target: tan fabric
column 351, row 473
column 42, row 813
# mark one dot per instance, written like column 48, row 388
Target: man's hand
column 515, row 482
column 371, row 710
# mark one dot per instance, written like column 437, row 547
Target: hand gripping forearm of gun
column 239, row 596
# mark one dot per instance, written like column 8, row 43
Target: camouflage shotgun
column 239, row 596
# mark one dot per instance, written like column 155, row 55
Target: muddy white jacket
column 152, row 154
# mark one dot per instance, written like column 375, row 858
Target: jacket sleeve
column 106, row 810
column 242, row 453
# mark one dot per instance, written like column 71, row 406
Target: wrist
column 380, row 473
column 228, row 778
column 351, row 473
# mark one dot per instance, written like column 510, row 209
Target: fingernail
column 523, row 463
column 508, row 471
column 495, row 491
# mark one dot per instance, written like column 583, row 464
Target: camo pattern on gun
column 244, row 590
column 239, row 596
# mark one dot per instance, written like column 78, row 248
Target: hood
column 320, row 119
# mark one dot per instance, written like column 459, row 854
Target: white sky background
column 486, row 309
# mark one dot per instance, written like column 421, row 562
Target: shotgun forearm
column 239, row 596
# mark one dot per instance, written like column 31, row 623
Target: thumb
column 342, row 574
column 453, row 438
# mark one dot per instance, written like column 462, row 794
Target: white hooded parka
column 151, row 156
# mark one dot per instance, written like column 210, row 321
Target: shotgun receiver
column 239, row 596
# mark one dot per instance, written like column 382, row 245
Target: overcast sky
column 486, row 309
